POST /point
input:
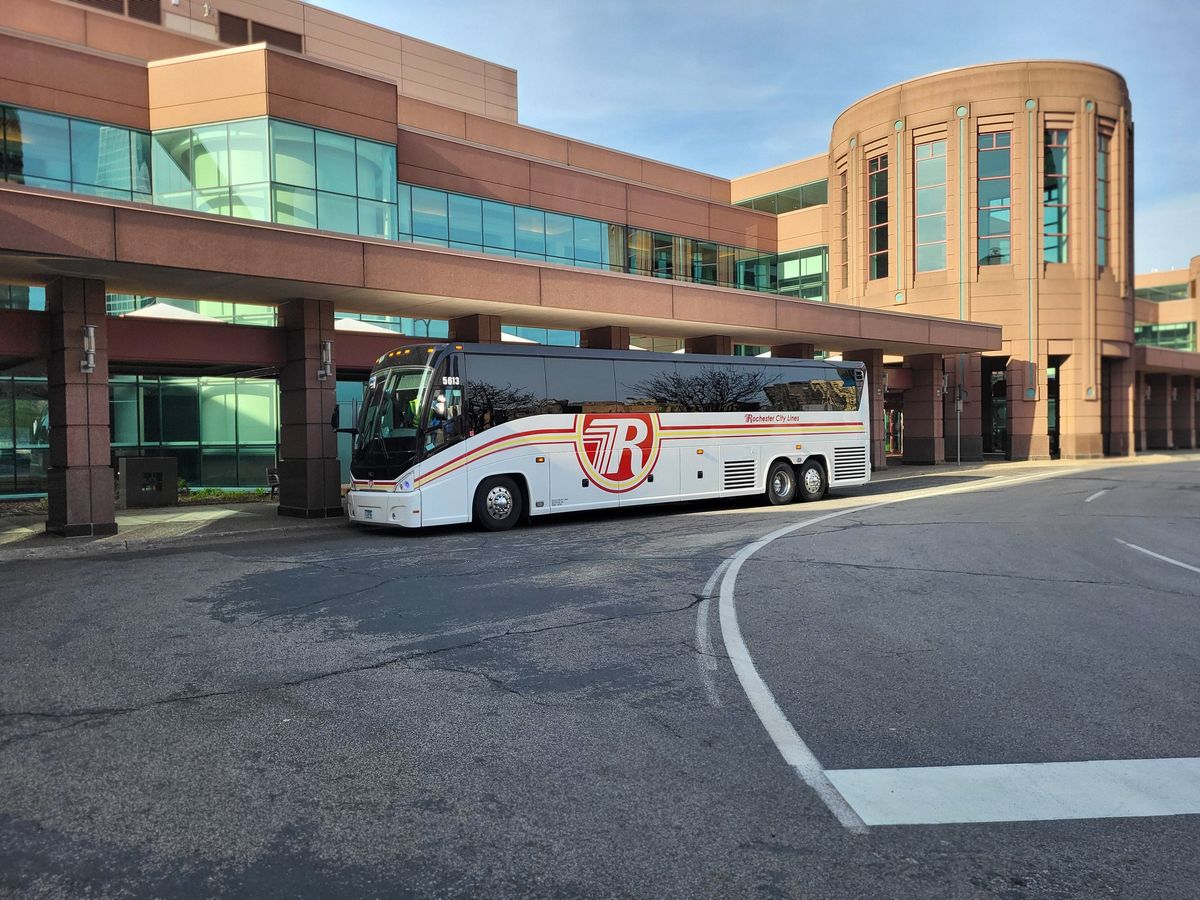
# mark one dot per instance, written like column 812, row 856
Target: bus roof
column 434, row 351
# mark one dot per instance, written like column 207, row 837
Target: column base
column 78, row 529
column 300, row 512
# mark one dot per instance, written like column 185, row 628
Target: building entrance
column 995, row 405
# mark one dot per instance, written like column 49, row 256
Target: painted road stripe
column 787, row 741
column 708, row 654
column 1095, row 495
column 1023, row 792
column 1165, row 559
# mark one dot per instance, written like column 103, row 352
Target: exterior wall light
column 87, row 365
column 326, row 367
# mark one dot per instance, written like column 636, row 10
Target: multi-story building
column 227, row 210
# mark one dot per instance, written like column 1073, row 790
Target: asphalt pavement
column 335, row 711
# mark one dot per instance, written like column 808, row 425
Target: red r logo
column 617, row 452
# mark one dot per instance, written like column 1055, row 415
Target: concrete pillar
column 717, row 344
column 923, row 436
column 80, row 479
column 476, row 329
column 1183, row 411
column 309, row 475
column 873, row 359
column 794, row 351
column 1079, row 416
column 1122, row 403
column 964, row 429
column 1028, row 437
column 606, row 337
column 1160, row 431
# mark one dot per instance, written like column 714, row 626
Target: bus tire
column 812, row 483
column 499, row 503
column 781, row 483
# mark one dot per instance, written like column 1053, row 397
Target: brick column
column 606, row 337
column 476, row 329
column 1079, row 416
column 794, row 351
column 717, row 344
column 309, row 475
column 923, row 436
column 1183, row 412
column 1028, row 434
column 1121, row 402
column 875, row 385
column 1160, row 431
column 970, row 420
column 80, row 479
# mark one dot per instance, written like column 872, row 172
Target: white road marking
column 1165, row 559
column 1095, row 495
column 1024, row 792
column 708, row 653
column 787, row 741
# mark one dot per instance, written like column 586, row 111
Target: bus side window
column 502, row 389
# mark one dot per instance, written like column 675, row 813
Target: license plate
column 368, row 513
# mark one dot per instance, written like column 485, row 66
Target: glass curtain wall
column 443, row 219
column 271, row 170
column 814, row 193
column 1055, row 196
column 877, row 223
column 22, row 296
column 71, row 154
column 930, row 177
column 24, row 435
column 994, row 165
column 1102, row 199
column 223, row 432
column 805, row 273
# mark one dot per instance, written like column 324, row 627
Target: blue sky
column 733, row 87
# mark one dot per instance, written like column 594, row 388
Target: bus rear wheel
column 813, row 483
column 498, row 504
column 781, row 483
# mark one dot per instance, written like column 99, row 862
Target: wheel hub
column 499, row 503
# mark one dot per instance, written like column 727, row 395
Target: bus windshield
column 390, row 414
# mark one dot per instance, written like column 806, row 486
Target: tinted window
column 814, row 388
column 581, row 385
column 503, row 388
column 645, row 386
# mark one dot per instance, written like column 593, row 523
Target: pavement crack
column 292, row 610
column 84, row 716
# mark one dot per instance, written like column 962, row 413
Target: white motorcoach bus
column 494, row 433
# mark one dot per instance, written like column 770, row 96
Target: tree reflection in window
column 707, row 390
column 490, row 404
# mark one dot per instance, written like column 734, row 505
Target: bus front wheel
column 813, row 483
column 498, row 504
column 781, row 484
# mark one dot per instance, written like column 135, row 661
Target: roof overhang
column 158, row 251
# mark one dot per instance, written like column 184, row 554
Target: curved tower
column 1001, row 193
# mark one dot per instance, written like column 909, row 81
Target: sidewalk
column 24, row 537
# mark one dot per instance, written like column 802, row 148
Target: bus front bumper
column 401, row 508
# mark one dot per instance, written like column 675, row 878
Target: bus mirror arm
column 335, row 421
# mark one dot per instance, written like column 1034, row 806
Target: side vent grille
column 849, row 463
column 738, row 475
